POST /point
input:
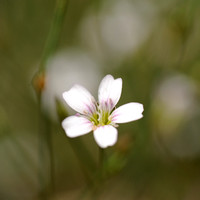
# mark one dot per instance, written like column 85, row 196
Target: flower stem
column 55, row 31
column 101, row 162
column 46, row 160
column 101, row 156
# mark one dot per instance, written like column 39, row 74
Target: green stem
column 46, row 160
column 101, row 163
column 54, row 34
column 52, row 167
column 42, row 157
column 101, row 157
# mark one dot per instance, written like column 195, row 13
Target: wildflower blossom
column 102, row 117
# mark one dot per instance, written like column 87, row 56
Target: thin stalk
column 101, row 163
column 99, row 178
column 41, row 151
column 92, row 190
column 101, row 157
column 46, row 175
column 55, row 31
column 52, row 167
column 46, row 159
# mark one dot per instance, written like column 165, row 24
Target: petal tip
column 109, row 76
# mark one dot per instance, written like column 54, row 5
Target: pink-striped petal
column 128, row 112
column 80, row 100
column 109, row 92
column 75, row 126
column 105, row 136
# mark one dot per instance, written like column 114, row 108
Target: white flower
column 101, row 116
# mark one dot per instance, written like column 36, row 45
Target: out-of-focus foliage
column 154, row 46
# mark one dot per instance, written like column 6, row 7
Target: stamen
column 85, row 112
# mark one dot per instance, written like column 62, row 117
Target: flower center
column 101, row 116
column 104, row 118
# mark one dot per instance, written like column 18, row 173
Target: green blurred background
column 154, row 46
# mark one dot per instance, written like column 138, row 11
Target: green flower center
column 94, row 119
column 104, row 118
column 101, row 118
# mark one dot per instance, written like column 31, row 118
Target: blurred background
column 154, row 46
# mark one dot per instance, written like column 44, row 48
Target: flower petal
column 76, row 126
column 109, row 91
column 80, row 100
column 105, row 136
column 128, row 112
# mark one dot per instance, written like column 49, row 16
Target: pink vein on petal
column 115, row 116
